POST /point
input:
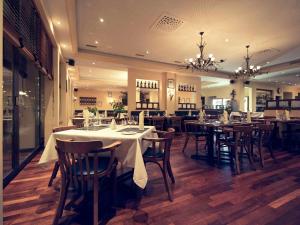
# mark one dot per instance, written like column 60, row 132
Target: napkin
column 201, row 116
column 141, row 120
column 277, row 114
column 248, row 117
column 225, row 115
column 113, row 124
column 287, row 115
column 70, row 123
column 86, row 116
column 190, row 113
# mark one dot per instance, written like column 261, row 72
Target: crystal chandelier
column 249, row 71
column 200, row 62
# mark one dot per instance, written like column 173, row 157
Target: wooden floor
column 202, row 194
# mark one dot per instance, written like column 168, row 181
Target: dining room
column 150, row 112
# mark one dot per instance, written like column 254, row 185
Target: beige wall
column 1, row 113
column 103, row 101
column 224, row 91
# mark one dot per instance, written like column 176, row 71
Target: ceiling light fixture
column 250, row 71
column 147, row 52
column 200, row 62
column 226, row 40
column 93, row 63
column 96, row 42
column 101, row 20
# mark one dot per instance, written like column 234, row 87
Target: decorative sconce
column 171, row 93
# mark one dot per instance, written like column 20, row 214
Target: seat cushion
column 152, row 153
column 102, row 165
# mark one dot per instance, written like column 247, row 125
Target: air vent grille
column 91, row 46
column 167, row 23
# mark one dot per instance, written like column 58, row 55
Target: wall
column 134, row 74
column 224, row 91
column 103, row 101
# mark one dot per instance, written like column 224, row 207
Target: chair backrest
column 158, row 122
column 58, row 129
column 168, row 137
column 78, row 121
column 192, row 126
column 176, row 120
column 243, row 133
column 79, row 160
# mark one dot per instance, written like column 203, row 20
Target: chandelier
column 200, row 62
column 249, row 71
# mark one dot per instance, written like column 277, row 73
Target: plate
column 129, row 132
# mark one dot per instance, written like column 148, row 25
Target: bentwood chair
column 81, row 164
column 159, row 153
column 78, row 122
column 240, row 140
column 175, row 122
column 56, row 165
column 158, row 122
column 196, row 131
column 264, row 139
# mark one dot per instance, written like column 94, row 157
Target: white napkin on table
column 248, row 117
column 141, row 120
column 86, row 116
column 113, row 124
column 225, row 115
column 201, row 116
column 190, row 113
column 287, row 115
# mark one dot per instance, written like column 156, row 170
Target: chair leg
column 271, row 151
column 237, row 160
column 114, row 191
column 62, row 201
column 54, row 173
column 248, row 149
column 219, row 154
column 95, row 201
column 261, row 155
column 166, row 182
column 170, row 172
column 185, row 143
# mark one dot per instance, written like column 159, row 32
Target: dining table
column 129, row 154
column 211, row 127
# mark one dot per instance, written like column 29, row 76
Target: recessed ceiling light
column 101, row 20
column 226, row 40
column 58, row 22
column 96, row 42
column 93, row 63
column 268, row 62
column 147, row 52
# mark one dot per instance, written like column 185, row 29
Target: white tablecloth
column 129, row 154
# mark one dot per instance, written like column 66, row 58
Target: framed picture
column 171, row 83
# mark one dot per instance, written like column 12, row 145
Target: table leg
column 210, row 140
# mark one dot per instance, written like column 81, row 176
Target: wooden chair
column 56, row 165
column 241, row 138
column 196, row 131
column 159, row 152
column 264, row 138
column 175, row 122
column 78, row 122
column 158, row 122
column 81, row 164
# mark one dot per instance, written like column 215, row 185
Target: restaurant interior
column 150, row 112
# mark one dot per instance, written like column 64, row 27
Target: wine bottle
column 141, row 84
column 149, row 84
column 137, row 84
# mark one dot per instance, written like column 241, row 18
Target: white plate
column 129, row 132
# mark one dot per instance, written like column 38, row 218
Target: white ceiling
column 271, row 27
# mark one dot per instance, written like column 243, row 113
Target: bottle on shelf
column 152, row 86
column 141, row 83
column 149, row 85
column 156, row 85
column 137, row 84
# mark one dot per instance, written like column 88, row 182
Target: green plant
column 93, row 110
column 118, row 107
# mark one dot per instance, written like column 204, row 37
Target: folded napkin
column 248, row 117
column 86, row 116
column 201, row 116
column 141, row 120
column 225, row 116
column 113, row 124
column 190, row 113
column 277, row 114
column 287, row 115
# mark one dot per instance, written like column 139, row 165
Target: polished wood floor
column 202, row 194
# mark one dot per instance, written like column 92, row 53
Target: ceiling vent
column 91, row 46
column 167, row 23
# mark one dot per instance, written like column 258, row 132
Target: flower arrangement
column 118, row 107
column 92, row 110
